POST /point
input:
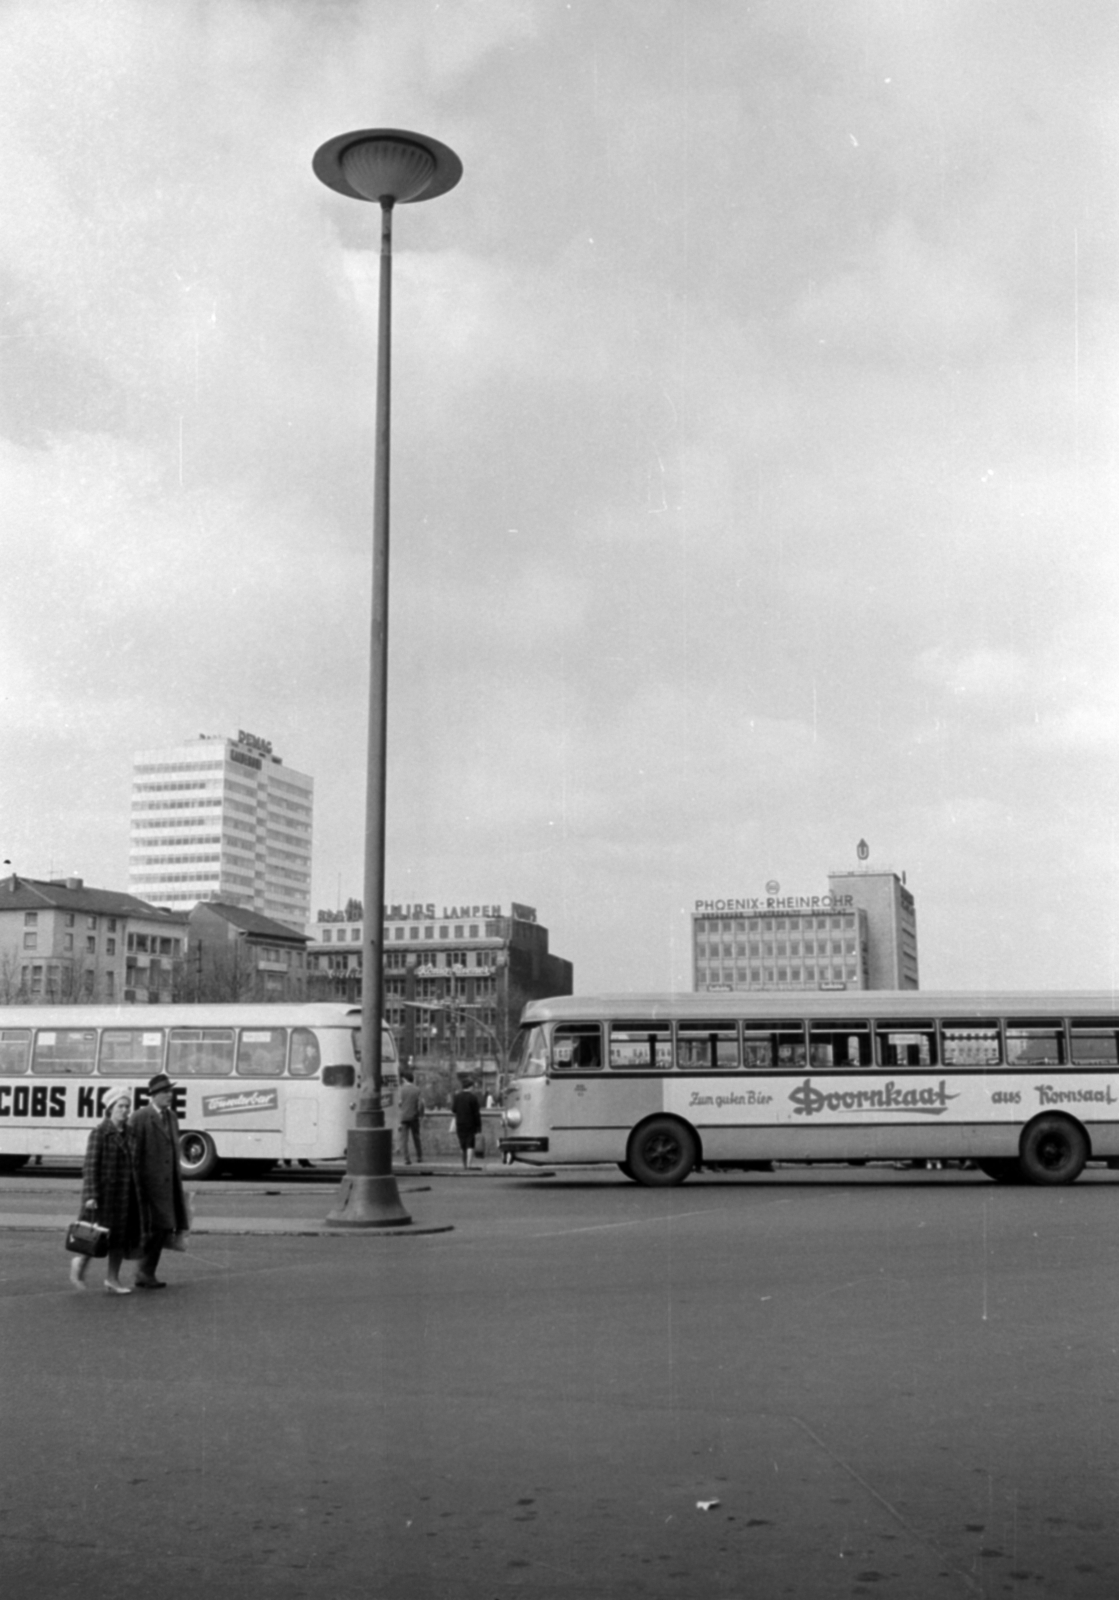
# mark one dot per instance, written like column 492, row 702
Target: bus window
column 389, row 1058
column 135, row 1052
column 757, row 1050
column 906, row 1044
column 779, row 1045
column 305, row 1057
column 261, row 1052
column 839, row 1046
column 200, row 1053
column 64, row 1050
column 706, row 1046
column 1093, row 1042
column 641, row 1046
column 576, row 1047
column 1035, row 1044
column 529, row 1055
column 971, row 1044
column 785, row 1045
column 15, row 1047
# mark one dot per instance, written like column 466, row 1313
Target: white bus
column 1025, row 1086
column 256, row 1084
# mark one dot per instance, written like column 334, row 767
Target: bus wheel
column 1003, row 1169
column 626, row 1170
column 1054, row 1150
column 197, row 1154
column 661, row 1152
column 13, row 1163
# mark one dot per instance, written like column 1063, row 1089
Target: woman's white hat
column 119, row 1091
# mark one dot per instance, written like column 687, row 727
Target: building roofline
column 57, row 894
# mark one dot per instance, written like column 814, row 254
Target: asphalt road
column 875, row 1383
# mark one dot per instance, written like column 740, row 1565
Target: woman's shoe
column 116, row 1288
column 78, row 1271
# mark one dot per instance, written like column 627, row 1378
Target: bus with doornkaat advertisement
column 1023, row 1086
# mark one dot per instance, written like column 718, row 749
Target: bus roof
column 842, row 1005
column 257, row 1014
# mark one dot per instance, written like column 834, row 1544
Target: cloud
column 984, row 674
column 753, row 448
column 910, row 299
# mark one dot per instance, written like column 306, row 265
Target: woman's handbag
column 479, row 1144
column 87, row 1239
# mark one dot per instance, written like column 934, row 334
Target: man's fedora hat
column 160, row 1082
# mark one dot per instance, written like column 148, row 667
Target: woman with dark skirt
column 109, row 1193
column 467, row 1113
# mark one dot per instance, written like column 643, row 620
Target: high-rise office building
column 222, row 819
column 862, row 934
column 891, row 916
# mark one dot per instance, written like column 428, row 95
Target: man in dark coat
column 163, row 1210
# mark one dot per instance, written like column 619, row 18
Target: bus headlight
column 513, row 1117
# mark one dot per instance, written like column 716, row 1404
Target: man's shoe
column 150, row 1283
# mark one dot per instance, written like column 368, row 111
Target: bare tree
column 11, row 983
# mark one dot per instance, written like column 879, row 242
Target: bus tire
column 1053, row 1150
column 197, row 1155
column 13, row 1163
column 627, row 1171
column 661, row 1152
column 1003, row 1169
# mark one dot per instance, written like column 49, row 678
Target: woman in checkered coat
column 110, row 1195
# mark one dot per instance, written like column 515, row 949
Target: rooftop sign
column 762, row 906
column 429, row 913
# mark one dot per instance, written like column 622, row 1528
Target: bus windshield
column 529, row 1056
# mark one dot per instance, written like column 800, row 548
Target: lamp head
column 387, row 165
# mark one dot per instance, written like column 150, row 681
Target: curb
column 37, row 1222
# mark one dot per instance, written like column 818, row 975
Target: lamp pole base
column 369, row 1197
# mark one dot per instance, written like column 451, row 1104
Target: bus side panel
column 48, row 1116
column 301, row 1118
column 898, row 1142
column 590, row 1119
column 880, row 1115
column 243, row 1116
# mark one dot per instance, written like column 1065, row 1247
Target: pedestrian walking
column 110, row 1196
column 159, row 1175
column 468, row 1120
column 412, row 1109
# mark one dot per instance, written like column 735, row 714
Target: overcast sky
column 754, row 451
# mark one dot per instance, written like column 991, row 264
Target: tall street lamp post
column 389, row 167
